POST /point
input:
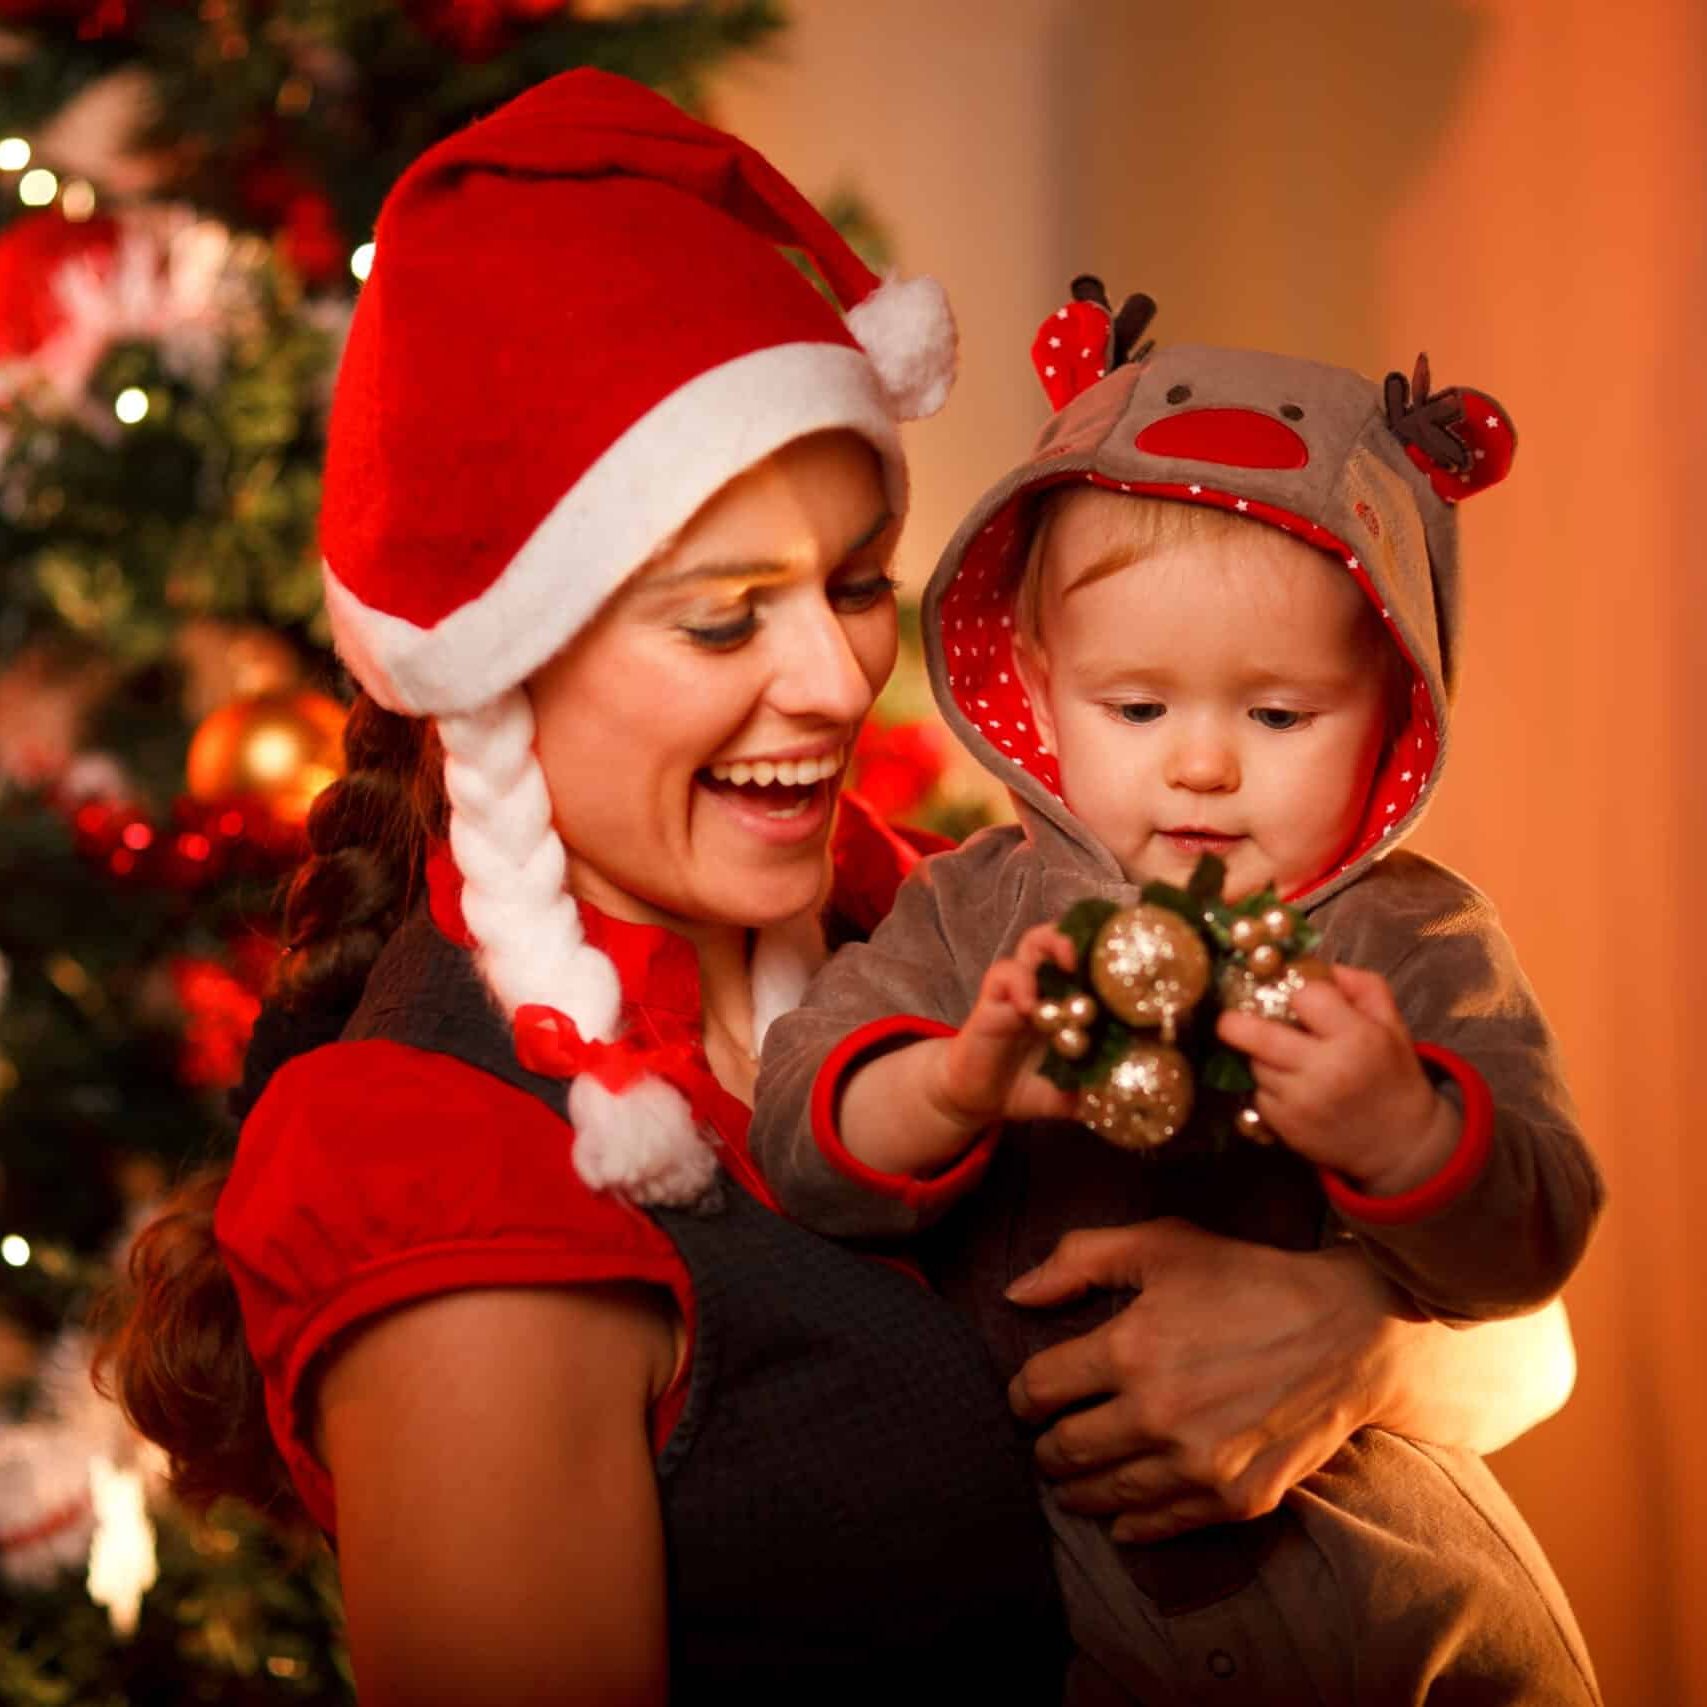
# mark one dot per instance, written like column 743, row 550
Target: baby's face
column 1224, row 695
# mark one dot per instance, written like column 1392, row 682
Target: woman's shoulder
column 374, row 1173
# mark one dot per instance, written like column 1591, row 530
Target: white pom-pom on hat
column 907, row 331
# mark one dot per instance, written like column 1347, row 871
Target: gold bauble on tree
column 279, row 748
column 1243, row 990
column 1144, row 1101
column 1149, row 966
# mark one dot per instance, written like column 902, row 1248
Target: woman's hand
column 1238, row 1371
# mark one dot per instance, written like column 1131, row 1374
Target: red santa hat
column 578, row 327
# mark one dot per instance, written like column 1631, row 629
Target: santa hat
column 578, row 327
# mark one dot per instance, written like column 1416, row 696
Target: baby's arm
column 875, row 1002
column 917, row 1109
column 1484, row 1210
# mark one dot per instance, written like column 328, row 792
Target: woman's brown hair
column 172, row 1348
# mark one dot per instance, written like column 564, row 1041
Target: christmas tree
column 186, row 193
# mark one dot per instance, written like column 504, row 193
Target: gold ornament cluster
column 1149, row 967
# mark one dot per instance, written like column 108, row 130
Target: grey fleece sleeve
column 905, row 969
column 1509, row 1239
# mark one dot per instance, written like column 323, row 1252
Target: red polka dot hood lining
column 980, row 692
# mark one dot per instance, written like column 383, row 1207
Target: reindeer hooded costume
column 1398, row 1572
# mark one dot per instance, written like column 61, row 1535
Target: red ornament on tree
column 896, row 765
column 33, row 250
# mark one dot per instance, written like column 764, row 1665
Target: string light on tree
column 14, row 154
column 131, row 405
column 77, row 201
column 361, row 262
column 38, row 187
column 15, row 1250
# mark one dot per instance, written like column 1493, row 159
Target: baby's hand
column 988, row 1068
column 1345, row 1087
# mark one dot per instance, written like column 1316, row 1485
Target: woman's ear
column 1032, row 668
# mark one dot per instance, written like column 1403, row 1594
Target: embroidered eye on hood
column 1370, row 474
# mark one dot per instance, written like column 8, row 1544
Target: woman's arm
column 498, row 1527
column 1240, row 1369
column 1480, row 1386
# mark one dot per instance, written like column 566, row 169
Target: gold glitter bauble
column 1144, row 1101
column 1251, row 1125
column 282, row 748
column 1081, row 1010
column 1149, row 966
column 1071, row 1043
column 1049, row 1017
column 1243, row 991
column 1279, row 923
column 1248, row 933
column 1266, row 960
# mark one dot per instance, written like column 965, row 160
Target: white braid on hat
column 642, row 1141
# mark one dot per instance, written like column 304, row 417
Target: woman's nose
column 818, row 673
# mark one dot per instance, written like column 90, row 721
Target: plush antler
column 1461, row 439
column 1130, row 325
column 1427, row 422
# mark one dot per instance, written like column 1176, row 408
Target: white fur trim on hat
column 642, row 491
column 907, row 328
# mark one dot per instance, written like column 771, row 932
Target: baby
column 1216, row 612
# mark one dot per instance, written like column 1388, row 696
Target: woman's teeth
column 791, row 773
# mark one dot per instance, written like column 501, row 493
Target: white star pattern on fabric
column 1351, row 563
column 1242, row 504
column 1060, row 314
column 1194, row 490
column 1405, row 776
column 1049, row 373
column 1055, row 343
column 1493, row 420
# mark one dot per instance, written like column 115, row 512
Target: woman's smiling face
column 695, row 733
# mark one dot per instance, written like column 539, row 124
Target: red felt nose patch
column 1236, row 438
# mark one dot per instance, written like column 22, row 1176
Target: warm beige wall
column 935, row 113
column 1518, row 186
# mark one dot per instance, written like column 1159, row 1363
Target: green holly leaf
column 1227, row 1070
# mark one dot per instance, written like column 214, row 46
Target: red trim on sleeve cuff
column 1456, row 1174
column 859, row 1044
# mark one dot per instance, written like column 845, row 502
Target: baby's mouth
column 1204, row 840
column 776, row 788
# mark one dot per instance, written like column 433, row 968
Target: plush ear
column 1072, row 348
column 1461, row 439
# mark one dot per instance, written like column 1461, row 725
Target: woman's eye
column 1277, row 717
column 721, row 636
column 863, row 593
column 1138, row 711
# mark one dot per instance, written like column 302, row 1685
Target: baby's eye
column 718, row 632
column 1278, row 717
column 1137, row 711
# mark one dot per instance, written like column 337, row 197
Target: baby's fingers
column 1266, row 1041
column 1044, row 944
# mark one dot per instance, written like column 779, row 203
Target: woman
column 610, row 499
